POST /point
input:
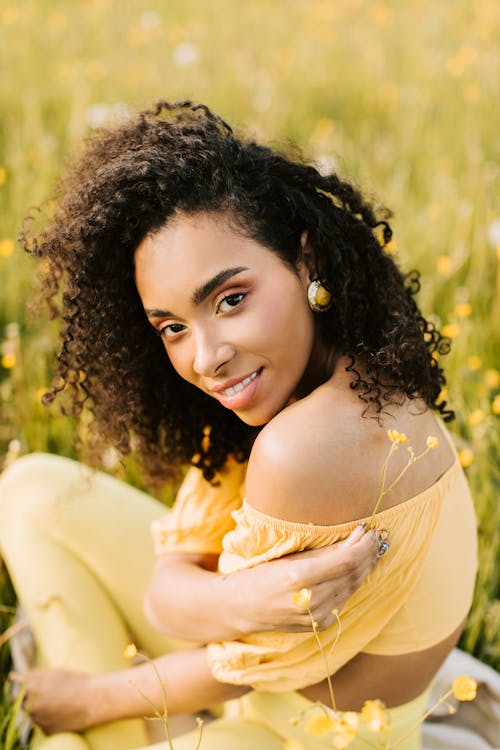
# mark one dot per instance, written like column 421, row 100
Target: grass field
column 401, row 97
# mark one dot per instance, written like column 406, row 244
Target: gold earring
column 318, row 296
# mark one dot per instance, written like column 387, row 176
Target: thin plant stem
column 412, row 460
column 337, row 635
column 415, row 726
column 383, row 474
column 8, row 610
column 201, row 725
column 163, row 717
column 15, row 628
column 370, row 744
column 385, row 490
column 157, row 714
column 322, row 652
column 165, row 710
column 383, row 470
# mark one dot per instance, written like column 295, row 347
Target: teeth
column 239, row 386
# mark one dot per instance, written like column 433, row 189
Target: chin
column 253, row 421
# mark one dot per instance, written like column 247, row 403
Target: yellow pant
column 78, row 548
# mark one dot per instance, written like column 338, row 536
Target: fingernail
column 357, row 532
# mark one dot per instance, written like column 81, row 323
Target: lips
column 232, row 390
column 237, row 393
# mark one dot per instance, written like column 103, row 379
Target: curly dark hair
column 180, row 157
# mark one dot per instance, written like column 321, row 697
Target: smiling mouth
column 234, row 389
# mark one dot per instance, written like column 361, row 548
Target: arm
column 61, row 700
column 257, row 599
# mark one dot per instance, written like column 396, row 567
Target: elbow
column 154, row 612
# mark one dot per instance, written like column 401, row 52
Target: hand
column 58, row 700
column 265, row 593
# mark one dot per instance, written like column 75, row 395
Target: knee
column 32, row 485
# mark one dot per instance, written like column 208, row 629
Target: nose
column 211, row 353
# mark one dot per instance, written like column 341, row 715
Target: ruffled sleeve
column 201, row 514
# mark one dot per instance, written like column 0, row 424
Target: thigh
column 226, row 734
column 100, row 521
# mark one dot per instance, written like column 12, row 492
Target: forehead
column 189, row 250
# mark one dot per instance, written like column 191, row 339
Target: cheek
column 180, row 359
column 287, row 326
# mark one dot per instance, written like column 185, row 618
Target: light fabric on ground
column 476, row 724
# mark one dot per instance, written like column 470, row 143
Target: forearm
column 184, row 677
column 189, row 602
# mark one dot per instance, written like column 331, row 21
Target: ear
column 308, row 259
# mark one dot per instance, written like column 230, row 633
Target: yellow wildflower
column 466, row 457
column 302, row 598
column 397, row 437
column 432, row 442
column 346, row 728
column 6, row 248
column 474, row 363
column 323, row 128
column 38, row 395
column 374, row 716
column 130, row 651
column 444, row 265
column 495, row 405
column 319, row 724
column 391, row 247
column 476, row 417
column 3, row 175
column 463, row 309
column 451, row 330
column 464, row 688
column 8, row 361
column 492, row 378
column 444, row 394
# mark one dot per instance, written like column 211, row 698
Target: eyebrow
column 202, row 292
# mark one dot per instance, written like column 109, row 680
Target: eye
column 231, row 301
column 170, row 330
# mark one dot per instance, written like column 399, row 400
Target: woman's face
column 234, row 319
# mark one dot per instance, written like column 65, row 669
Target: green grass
column 403, row 97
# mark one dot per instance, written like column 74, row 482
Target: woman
column 293, row 342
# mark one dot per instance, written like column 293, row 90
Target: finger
column 353, row 558
column 16, row 677
column 355, row 536
column 329, row 563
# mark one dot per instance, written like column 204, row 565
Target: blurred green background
column 401, row 97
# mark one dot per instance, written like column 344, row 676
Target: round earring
column 318, row 296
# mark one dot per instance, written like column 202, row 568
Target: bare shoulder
column 309, row 464
column 318, row 461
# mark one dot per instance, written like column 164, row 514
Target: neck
column 320, row 368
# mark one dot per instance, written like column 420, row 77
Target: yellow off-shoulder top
column 414, row 597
